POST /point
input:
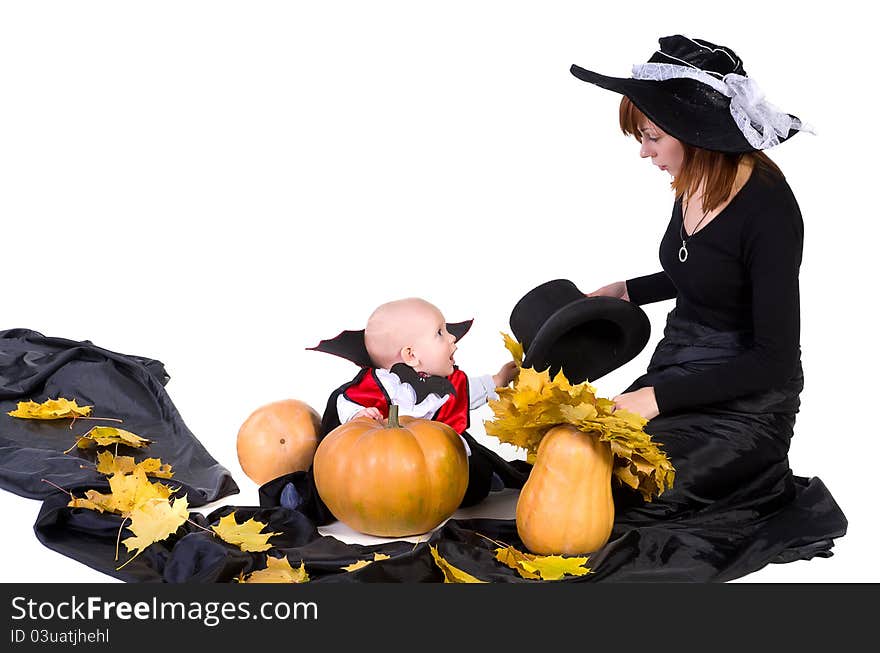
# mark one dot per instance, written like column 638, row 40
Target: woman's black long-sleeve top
column 741, row 274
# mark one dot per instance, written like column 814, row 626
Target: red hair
column 715, row 170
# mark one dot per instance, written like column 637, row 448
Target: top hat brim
column 351, row 346
column 596, row 335
column 684, row 108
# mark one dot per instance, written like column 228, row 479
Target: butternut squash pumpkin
column 565, row 506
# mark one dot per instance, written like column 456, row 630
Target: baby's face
column 432, row 345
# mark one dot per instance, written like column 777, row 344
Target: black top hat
column 699, row 93
column 351, row 346
column 587, row 337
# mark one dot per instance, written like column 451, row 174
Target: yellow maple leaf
column 555, row 567
column 107, row 435
column 110, row 464
column 94, row 500
column 144, row 489
column 153, row 521
column 579, row 413
column 88, row 503
column 277, row 570
column 514, row 347
column 513, row 558
column 59, row 408
column 627, row 477
column 360, row 564
column 537, row 567
column 452, row 574
column 127, row 491
column 245, row 536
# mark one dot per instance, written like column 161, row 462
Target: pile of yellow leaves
column 536, row 403
column 127, row 492
column 153, row 515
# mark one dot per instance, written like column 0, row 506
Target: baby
column 406, row 356
column 414, row 367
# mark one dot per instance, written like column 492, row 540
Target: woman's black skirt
column 735, row 504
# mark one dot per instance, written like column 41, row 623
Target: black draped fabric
column 735, row 507
column 34, row 367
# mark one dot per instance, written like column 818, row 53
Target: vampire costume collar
column 421, row 383
column 700, row 93
column 350, row 345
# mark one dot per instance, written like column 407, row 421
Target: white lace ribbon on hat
column 761, row 123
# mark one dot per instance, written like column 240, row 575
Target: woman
column 722, row 388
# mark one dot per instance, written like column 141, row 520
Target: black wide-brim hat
column 687, row 109
column 586, row 337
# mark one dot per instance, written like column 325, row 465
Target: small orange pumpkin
column 391, row 479
column 566, row 506
column 277, row 439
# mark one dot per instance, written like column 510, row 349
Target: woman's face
column 666, row 152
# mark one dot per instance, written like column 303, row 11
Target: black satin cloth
column 34, row 367
column 734, row 508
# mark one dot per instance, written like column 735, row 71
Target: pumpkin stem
column 393, row 422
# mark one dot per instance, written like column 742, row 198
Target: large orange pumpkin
column 277, row 439
column 566, row 506
column 391, row 479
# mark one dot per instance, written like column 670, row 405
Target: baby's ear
column 408, row 356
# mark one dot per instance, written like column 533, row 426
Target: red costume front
column 366, row 390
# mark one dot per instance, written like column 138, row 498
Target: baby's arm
column 482, row 388
column 505, row 375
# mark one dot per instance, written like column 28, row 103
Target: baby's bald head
column 396, row 325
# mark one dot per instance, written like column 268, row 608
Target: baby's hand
column 505, row 375
column 372, row 413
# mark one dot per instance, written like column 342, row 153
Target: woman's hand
column 616, row 289
column 641, row 401
column 505, row 375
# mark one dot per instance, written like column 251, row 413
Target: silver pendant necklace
column 683, row 252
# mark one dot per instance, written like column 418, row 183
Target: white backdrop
column 220, row 185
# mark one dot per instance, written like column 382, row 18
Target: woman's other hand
column 641, row 401
column 616, row 289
